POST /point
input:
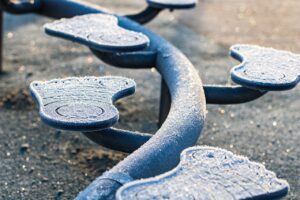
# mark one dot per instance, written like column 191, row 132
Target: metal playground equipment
column 85, row 104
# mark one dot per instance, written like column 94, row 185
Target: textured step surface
column 98, row 31
column 208, row 173
column 265, row 68
column 81, row 104
column 172, row 4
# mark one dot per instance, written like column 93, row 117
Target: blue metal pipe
column 118, row 139
column 68, row 8
column 135, row 60
column 20, row 7
column 214, row 94
column 165, row 103
column 146, row 15
column 180, row 130
column 128, row 141
column 223, row 94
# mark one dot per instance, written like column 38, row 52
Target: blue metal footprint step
column 98, row 31
column 81, row 104
column 208, row 173
column 172, row 4
column 265, row 68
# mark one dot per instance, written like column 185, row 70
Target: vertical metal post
column 165, row 103
column 1, row 40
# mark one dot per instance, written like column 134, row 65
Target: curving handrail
column 180, row 130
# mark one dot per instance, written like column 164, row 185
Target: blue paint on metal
column 58, row 9
column 21, row 7
column 118, row 139
column 229, row 94
column 265, row 68
column 172, row 4
column 134, row 60
column 81, row 104
column 208, row 173
column 98, row 31
column 146, row 15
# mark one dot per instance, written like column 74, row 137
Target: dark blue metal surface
column 98, row 31
column 208, row 173
column 118, row 139
column 135, row 60
column 172, row 4
column 81, row 104
column 146, row 15
column 265, row 68
column 20, row 7
column 229, row 94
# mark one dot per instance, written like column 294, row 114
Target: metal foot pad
column 265, row 68
column 208, row 173
column 98, row 31
column 81, row 104
column 172, row 4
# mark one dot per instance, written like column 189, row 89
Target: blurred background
column 40, row 162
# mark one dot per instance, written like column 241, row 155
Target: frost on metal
column 98, row 31
column 208, row 173
column 172, row 4
column 265, row 68
column 81, row 104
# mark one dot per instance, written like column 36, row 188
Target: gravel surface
column 39, row 162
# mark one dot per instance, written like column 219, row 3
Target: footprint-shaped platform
column 265, row 68
column 81, row 104
column 208, row 173
column 98, row 31
column 172, row 4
